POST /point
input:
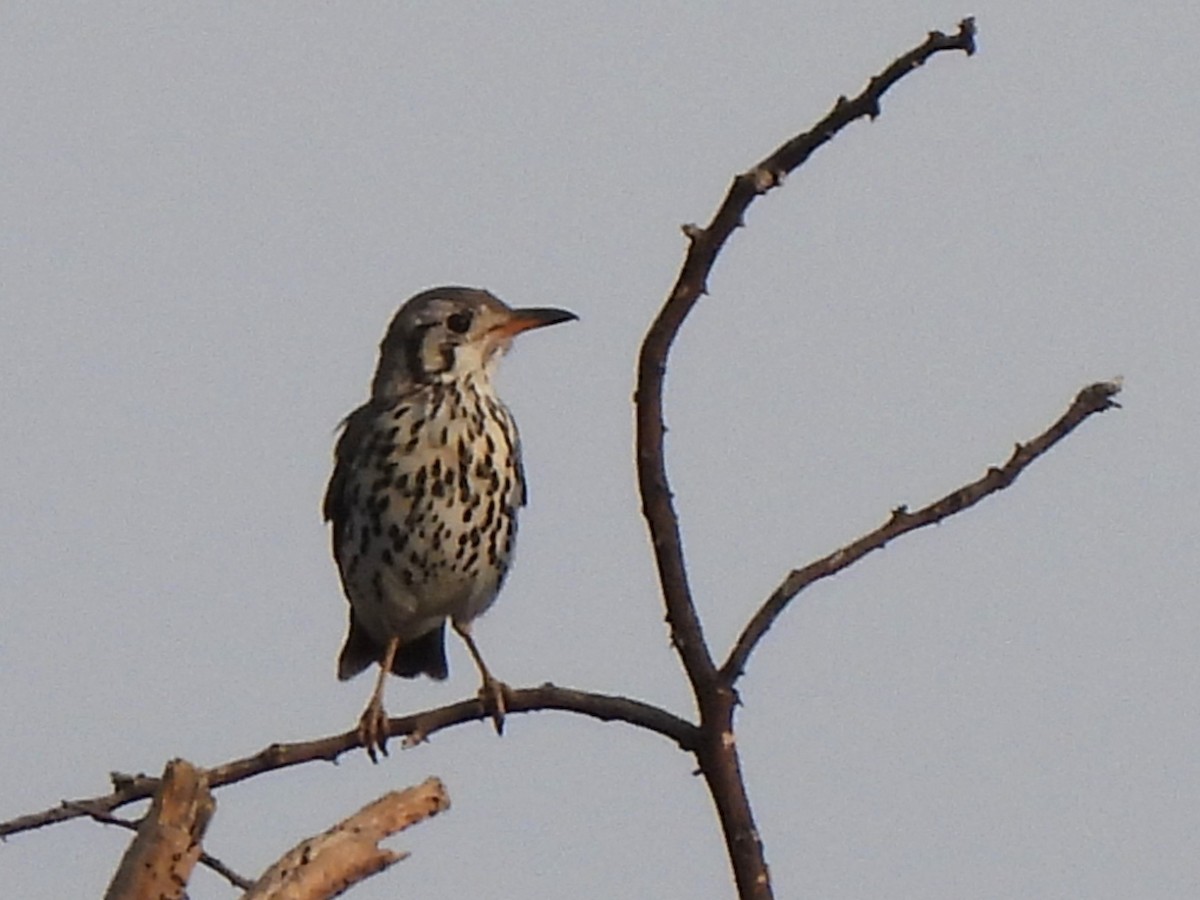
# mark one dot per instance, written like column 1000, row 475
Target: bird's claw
column 491, row 695
column 373, row 729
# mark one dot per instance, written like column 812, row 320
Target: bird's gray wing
column 352, row 443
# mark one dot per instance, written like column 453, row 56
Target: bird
column 426, row 486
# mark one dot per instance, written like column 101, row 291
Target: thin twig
column 1095, row 398
column 131, row 788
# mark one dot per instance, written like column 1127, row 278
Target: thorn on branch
column 122, row 781
column 692, row 231
column 871, row 98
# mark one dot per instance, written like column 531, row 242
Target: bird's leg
column 491, row 692
column 372, row 725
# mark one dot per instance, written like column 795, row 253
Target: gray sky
column 208, row 212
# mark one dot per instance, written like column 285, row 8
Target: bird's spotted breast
column 432, row 499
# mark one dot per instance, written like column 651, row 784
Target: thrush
column 426, row 486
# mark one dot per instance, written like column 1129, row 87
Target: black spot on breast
column 397, row 537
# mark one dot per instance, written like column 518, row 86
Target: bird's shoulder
column 379, row 419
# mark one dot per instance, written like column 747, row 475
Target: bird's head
column 449, row 333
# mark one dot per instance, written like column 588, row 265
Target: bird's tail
column 424, row 655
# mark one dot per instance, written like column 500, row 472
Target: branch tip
column 966, row 34
column 1100, row 394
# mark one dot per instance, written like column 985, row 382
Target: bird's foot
column 491, row 695
column 373, row 729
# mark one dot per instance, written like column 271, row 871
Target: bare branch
column 704, row 245
column 131, row 788
column 330, row 863
column 161, row 857
column 1094, row 398
column 715, row 699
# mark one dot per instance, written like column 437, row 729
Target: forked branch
column 715, row 699
column 705, row 243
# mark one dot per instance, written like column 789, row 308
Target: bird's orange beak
column 530, row 318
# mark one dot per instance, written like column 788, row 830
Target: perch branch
column 1095, row 398
column 131, row 788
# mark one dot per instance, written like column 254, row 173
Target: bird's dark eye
column 459, row 322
